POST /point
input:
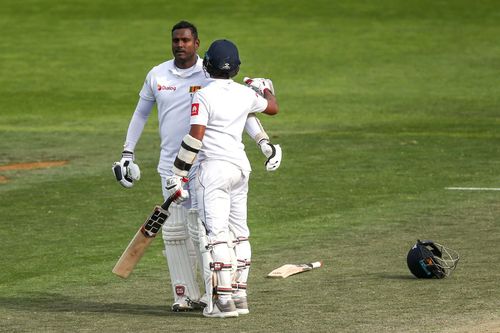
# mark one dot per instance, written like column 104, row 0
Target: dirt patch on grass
column 32, row 165
column 29, row 166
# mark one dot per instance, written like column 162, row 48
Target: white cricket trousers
column 221, row 192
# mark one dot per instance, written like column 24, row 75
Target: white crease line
column 473, row 188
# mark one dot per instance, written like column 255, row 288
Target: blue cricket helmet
column 428, row 259
column 222, row 59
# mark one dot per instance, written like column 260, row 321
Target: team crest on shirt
column 194, row 109
column 193, row 89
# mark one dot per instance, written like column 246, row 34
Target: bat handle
column 317, row 264
column 167, row 203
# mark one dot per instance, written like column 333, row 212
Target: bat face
column 141, row 241
column 132, row 254
column 291, row 269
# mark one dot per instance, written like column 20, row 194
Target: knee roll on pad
column 174, row 228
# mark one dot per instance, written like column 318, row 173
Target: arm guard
column 186, row 156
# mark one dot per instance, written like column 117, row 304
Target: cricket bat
column 291, row 269
column 141, row 241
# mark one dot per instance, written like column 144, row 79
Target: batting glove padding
column 273, row 154
column 259, row 85
column 175, row 189
column 126, row 171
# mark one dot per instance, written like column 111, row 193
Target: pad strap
column 220, row 266
column 243, row 263
column 239, row 286
column 186, row 156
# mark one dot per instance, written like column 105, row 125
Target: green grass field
column 383, row 105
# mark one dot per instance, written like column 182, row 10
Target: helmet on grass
column 427, row 259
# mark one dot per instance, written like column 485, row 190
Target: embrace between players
column 202, row 113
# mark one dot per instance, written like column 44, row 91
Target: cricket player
column 170, row 86
column 218, row 115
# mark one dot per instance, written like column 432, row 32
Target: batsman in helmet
column 218, row 115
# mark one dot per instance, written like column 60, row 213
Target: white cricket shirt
column 172, row 89
column 223, row 106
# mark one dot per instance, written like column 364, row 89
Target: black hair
column 186, row 25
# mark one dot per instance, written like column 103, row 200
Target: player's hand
column 126, row 171
column 273, row 154
column 259, row 85
column 175, row 190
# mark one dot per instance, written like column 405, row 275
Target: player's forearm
column 254, row 128
column 137, row 123
column 272, row 104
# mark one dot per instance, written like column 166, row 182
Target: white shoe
column 222, row 310
column 241, row 305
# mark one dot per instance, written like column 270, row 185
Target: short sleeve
column 259, row 104
column 199, row 110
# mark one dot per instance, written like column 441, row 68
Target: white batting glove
column 259, row 85
column 126, row 171
column 273, row 154
column 175, row 189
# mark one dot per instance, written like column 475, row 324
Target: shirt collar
column 183, row 73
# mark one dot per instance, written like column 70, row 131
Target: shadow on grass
column 50, row 302
column 396, row 277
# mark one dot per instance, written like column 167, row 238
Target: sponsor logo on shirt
column 194, row 109
column 163, row 87
column 193, row 89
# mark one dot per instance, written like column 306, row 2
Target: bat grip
column 167, row 203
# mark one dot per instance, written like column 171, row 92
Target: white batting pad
column 193, row 226
column 222, row 266
column 209, row 277
column 194, row 229
column 243, row 253
column 181, row 255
